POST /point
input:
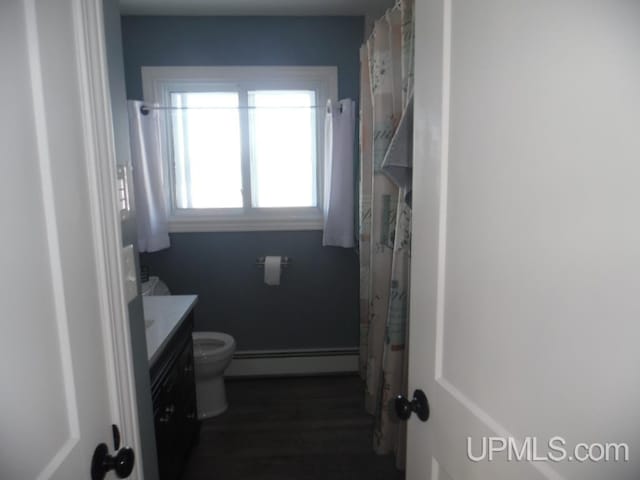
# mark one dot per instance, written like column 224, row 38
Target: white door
column 59, row 396
column 525, row 314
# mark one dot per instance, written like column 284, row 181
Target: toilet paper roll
column 272, row 267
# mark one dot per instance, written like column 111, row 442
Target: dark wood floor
column 311, row 428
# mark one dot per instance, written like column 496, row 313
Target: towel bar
column 284, row 262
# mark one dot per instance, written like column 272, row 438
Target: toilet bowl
column 212, row 352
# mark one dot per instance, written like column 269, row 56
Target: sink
column 162, row 315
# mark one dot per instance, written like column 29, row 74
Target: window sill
column 184, row 223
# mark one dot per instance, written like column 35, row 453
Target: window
column 243, row 144
column 206, row 150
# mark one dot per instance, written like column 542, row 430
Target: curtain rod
column 144, row 109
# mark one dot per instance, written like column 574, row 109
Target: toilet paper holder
column 284, row 262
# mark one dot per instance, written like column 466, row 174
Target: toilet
column 212, row 352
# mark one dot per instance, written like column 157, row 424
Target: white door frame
column 105, row 219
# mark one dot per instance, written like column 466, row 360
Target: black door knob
column 102, row 463
column 419, row 405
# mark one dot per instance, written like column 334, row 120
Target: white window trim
column 158, row 82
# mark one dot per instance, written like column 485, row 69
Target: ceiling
column 254, row 7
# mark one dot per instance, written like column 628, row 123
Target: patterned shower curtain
column 385, row 218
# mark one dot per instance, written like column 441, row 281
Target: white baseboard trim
column 257, row 363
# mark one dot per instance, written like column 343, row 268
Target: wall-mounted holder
column 125, row 186
column 284, row 262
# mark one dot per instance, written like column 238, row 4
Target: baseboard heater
column 257, row 363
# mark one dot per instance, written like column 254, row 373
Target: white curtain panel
column 339, row 182
column 147, row 162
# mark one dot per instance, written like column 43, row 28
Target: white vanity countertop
column 163, row 314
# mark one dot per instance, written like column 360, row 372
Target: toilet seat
column 212, row 346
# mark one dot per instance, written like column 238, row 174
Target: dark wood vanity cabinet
column 174, row 402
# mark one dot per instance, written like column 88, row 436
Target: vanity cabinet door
column 187, row 388
column 174, row 400
column 167, row 425
column 186, row 401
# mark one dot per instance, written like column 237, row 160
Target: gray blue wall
column 113, row 40
column 317, row 304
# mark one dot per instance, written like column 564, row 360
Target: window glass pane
column 207, row 152
column 283, row 148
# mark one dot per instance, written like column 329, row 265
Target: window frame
column 158, row 84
